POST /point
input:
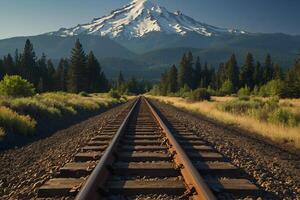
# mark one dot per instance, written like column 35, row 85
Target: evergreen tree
column 185, row 75
column 232, row 72
column 43, row 73
column 277, row 74
column 221, row 75
column 205, row 76
column 258, row 74
column 50, row 76
column 247, row 71
column 17, row 62
column 133, row 86
column 164, row 83
column 268, row 69
column 61, row 75
column 198, row 72
column 77, row 78
column 93, row 74
column 292, row 81
column 121, row 79
column 173, row 76
column 27, row 63
column 9, row 65
column 1, row 69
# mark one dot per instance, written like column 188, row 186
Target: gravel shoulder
column 24, row 169
column 272, row 168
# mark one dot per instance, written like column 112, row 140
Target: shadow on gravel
column 46, row 127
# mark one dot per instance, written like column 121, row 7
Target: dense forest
column 253, row 77
column 80, row 72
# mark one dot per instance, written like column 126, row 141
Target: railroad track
column 143, row 155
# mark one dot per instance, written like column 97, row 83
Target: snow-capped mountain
column 141, row 17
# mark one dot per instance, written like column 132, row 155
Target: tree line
column 229, row 77
column 78, row 73
column 131, row 86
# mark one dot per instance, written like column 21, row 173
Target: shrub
column 245, row 91
column 200, row 94
column 227, row 88
column 15, row 86
column 240, row 107
column 272, row 88
column 14, row 122
column 114, row 94
column 185, row 91
column 282, row 116
column 211, row 91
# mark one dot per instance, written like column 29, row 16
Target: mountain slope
column 58, row 47
column 140, row 18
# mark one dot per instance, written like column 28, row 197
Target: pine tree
column 268, row 69
column 258, row 74
column 133, row 86
column 50, row 76
column 9, row 65
column 292, row 81
column 61, row 75
column 246, row 74
column 232, row 71
column 173, row 76
column 93, row 73
column 277, row 74
column 164, row 83
column 221, row 75
column 1, row 69
column 121, row 79
column 198, row 72
column 17, row 62
column 205, row 79
column 28, row 61
column 121, row 84
column 77, row 78
column 186, row 75
column 43, row 73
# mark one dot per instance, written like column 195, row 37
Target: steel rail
column 90, row 190
column 190, row 174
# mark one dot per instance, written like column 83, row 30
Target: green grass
column 268, row 117
column 14, row 122
column 269, row 111
column 19, row 115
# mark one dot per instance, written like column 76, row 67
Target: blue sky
column 32, row 17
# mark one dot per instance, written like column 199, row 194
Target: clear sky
column 32, row 17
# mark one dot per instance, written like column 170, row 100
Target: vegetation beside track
column 277, row 120
column 22, row 115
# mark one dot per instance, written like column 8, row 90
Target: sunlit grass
column 275, row 132
column 15, row 122
column 18, row 114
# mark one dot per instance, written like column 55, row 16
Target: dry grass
column 277, row 133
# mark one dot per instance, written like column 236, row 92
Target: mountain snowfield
column 141, row 17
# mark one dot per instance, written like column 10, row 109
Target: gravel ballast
column 24, row 169
column 273, row 169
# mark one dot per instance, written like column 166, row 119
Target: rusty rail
column 190, row 174
column 90, row 190
column 195, row 183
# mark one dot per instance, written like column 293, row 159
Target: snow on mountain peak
column 141, row 17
